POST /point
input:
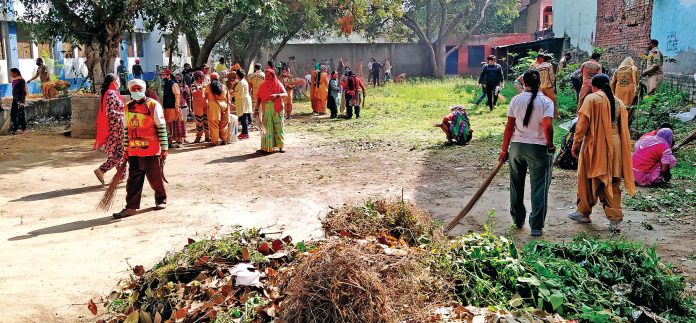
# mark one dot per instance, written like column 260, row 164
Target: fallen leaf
column 92, row 307
column 245, row 254
column 287, row 239
column 145, row 317
column 138, row 270
column 345, row 233
column 277, row 245
column 179, row 314
column 264, row 249
column 158, row 317
column 132, row 317
column 202, row 260
column 190, row 241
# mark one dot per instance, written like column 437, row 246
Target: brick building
column 623, row 29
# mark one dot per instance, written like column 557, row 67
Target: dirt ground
column 59, row 251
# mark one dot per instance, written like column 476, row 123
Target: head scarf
column 627, row 63
column 664, row 136
column 271, row 85
column 667, row 135
column 317, row 66
column 134, row 82
column 103, row 119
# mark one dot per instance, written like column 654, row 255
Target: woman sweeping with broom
column 110, row 125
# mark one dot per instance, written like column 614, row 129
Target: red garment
column 103, row 120
column 271, row 85
column 143, row 140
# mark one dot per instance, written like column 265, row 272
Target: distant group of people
column 330, row 89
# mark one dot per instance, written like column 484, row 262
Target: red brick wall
column 623, row 31
column 489, row 41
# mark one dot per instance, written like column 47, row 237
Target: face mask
column 137, row 95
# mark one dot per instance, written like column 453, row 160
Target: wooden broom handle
column 474, row 198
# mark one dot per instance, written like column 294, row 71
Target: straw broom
column 108, row 199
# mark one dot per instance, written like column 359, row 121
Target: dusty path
column 59, row 251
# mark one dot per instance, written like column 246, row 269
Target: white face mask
column 137, row 95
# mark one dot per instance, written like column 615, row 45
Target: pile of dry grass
column 402, row 220
column 349, row 281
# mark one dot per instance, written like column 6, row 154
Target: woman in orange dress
column 588, row 70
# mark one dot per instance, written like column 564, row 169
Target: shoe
column 281, row 150
column 614, row 226
column 520, row 226
column 582, row 218
column 100, row 175
column 536, row 232
column 124, row 213
column 160, row 206
column 198, row 139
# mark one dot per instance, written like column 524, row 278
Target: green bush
column 655, row 109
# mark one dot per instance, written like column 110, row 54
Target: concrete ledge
column 59, row 107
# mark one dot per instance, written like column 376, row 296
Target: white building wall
column 577, row 20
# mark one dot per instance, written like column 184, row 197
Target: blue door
column 476, row 56
column 451, row 65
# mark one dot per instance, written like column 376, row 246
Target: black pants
column 350, row 106
column 490, row 93
column 482, row 96
column 18, row 118
column 375, row 78
column 333, row 106
column 577, row 85
column 138, row 169
column 245, row 119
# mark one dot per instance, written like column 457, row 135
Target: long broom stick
column 108, row 199
column 474, row 198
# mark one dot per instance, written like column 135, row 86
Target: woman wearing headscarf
column 313, row 89
column 110, row 119
column 624, row 84
column 603, row 149
column 322, row 90
column 269, row 108
column 218, row 110
column 199, row 99
column 653, row 158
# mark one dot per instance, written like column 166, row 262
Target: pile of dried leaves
column 226, row 279
column 393, row 217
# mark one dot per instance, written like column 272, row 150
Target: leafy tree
column 434, row 23
column 209, row 21
column 98, row 26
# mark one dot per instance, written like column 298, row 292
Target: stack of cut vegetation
column 385, row 261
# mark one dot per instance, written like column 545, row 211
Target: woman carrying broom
column 110, row 125
column 529, row 136
column 269, row 109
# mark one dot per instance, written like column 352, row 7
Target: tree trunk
column 192, row 41
column 440, row 59
column 99, row 58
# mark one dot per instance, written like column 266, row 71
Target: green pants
column 536, row 159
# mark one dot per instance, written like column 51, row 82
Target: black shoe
column 124, row 213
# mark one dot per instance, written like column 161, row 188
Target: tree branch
column 481, row 17
column 413, row 25
column 452, row 50
column 285, row 40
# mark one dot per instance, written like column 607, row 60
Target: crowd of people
column 140, row 132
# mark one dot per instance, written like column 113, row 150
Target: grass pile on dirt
column 356, row 281
column 386, row 261
column 393, row 217
column 588, row 279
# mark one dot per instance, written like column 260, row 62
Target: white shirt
column 534, row 132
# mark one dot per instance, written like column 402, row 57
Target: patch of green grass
column 407, row 112
column 673, row 201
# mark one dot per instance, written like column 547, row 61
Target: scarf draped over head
column 664, row 136
column 271, row 85
column 317, row 66
column 103, row 119
column 627, row 63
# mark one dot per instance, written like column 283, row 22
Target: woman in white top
column 529, row 137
